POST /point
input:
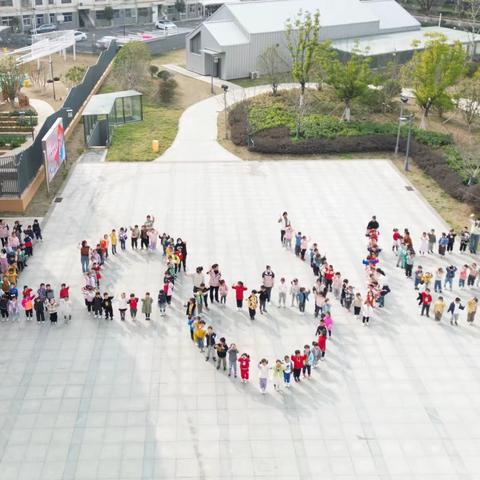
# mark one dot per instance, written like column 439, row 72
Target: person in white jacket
column 282, row 293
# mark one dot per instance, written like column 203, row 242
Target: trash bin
column 155, row 146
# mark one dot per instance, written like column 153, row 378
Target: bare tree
column 472, row 11
column 272, row 65
column 426, row 5
column 471, row 167
column 467, row 99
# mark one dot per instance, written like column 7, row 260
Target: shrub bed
column 11, row 141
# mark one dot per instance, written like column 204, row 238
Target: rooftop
column 102, row 104
column 398, row 41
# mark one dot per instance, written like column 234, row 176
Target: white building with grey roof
column 227, row 45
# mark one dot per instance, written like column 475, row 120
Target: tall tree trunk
column 346, row 112
column 423, row 120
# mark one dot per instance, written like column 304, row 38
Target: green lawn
column 133, row 142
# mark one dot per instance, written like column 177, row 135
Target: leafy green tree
column 75, row 74
column 302, row 42
column 467, row 99
column 180, row 6
column 433, row 71
column 130, row 67
column 349, row 79
column 108, row 13
column 272, row 65
column 324, row 53
column 11, row 77
column 389, row 85
column 426, row 5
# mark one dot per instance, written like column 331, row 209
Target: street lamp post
column 409, row 121
column 403, row 102
column 53, row 79
column 225, row 90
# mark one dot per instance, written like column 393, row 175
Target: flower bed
column 11, row 141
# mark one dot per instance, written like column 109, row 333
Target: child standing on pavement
column 239, row 291
column 244, row 362
column 232, row 360
column 122, row 236
column 287, row 370
column 114, row 241
column 162, row 301
column 147, row 305
column 223, row 291
column 328, row 323
column 122, row 306
column 282, row 293
column 278, row 370
column 263, row 374
column 133, row 303
column 252, row 304
column 97, row 305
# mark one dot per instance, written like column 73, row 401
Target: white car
column 105, row 42
column 79, row 36
column 165, row 25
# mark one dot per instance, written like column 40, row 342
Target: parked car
column 165, row 25
column 45, row 28
column 79, row 36
column 105, row 41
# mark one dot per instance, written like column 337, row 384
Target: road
column 18, row 40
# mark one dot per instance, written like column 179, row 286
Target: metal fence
column 17, row 172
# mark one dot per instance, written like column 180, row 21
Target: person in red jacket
column 244, row 362
column 239, row 290
column 64, row 291
column 298, row 361
column 426, row 301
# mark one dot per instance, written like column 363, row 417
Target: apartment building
column 22, row 15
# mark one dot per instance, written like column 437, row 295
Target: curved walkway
column 196, row 139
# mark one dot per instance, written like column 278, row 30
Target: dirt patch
column 60, row 67
column 175, row 57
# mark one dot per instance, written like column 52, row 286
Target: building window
column 116, row 14
column 40, row 20
column 38, row 2
column 51, row 2
column 142, row 12
column 27, row 20
column 128, row 13
column 171, row 9
column 195, row 43
column 6, row 3
column 67, row 17
column 51, row 16
column 66, row 1
column 100, row 14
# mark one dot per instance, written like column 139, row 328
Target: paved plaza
column 108, row 400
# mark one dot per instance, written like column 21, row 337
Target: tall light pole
column 403, row 102
column 409, row 121
column 225, row 90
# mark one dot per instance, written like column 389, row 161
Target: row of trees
column 436, row 73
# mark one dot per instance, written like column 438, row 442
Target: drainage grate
column 409, row 188
column 58, row 199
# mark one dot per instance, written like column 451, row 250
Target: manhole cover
column 58, row 199
column 409, row 188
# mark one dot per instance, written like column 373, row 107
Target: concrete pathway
column 43, row 108
column 93, row 400
column 197, row 135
